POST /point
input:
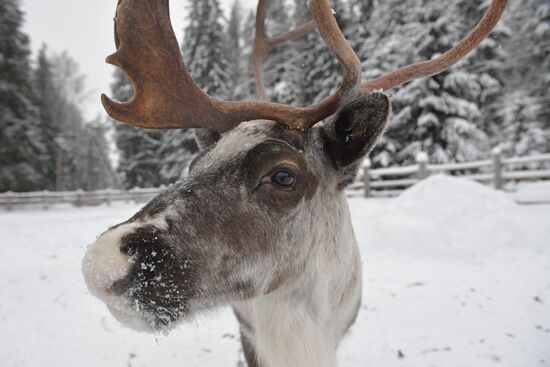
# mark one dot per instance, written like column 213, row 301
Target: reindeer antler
column 165, row 95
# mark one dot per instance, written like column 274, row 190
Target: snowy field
column 456, row 274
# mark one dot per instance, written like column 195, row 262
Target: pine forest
column 498, row 96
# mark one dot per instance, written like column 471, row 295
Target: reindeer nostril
column 119, row 286
column 128, row 250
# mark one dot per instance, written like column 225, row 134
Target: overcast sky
column 85, row 29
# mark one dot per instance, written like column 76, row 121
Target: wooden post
column 9, row 201
column 422, row 161
column 91, row 185
column 135, row 195
column 79, row 201
column 59, row 169
column 498, row 177
column 45, row 199
column 108, row 197
column 366, row 177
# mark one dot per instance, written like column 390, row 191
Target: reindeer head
column 241, row 225
column 266, row 187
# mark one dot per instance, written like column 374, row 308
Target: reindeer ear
column 353, row 132
column 205, row 138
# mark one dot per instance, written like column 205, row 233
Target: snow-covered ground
column 456, row 274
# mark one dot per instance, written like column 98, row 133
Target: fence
column 497, row 171
column 374, row 182
column 78, row 198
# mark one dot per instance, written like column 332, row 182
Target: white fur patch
column 159, row 220
column 288, row 336
column 104, row 263
column 239, row 140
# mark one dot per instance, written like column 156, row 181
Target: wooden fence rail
column 78, row 198
column 497, row 170
column 374, row 182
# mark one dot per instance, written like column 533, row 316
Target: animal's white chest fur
column 302, row 326
column 287, row 335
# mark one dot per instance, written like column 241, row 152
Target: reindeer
column 261, row 224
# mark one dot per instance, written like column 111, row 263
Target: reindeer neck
column 300, row 324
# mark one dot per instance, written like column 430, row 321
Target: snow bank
column 533, row 193
column 458, row 218
column 446, row 193
column 455, row 275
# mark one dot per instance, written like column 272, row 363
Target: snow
column 456, row 274
column 533, row 193
column 461, row 196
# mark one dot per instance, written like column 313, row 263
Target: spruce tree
column 442, row 114
column 22, row 145
column 247, row 84
column 487, row 62
column 204, row 45
column 523, row 111
column 307, row 50
column 539, row 26
column 99, row 170
column 45, row 100
column 522, row 129
column 360, row 28
column 233, row 50
column 61, row 104
column 85, row 156
column 139, row 159
column 322, row 70
column 279, row 66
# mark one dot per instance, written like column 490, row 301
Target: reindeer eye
column 283, row 178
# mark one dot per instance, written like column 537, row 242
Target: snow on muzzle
column 140, row 276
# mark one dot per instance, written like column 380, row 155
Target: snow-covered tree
column 22, row 146
column 522, row 128
column 322, row 72
column 85, row 155
column 45, row 100
column 139, row 159
column 306, row 49
column 361, row 23
column 280, row 65
column 523, row 108
column 487, row 62
column 442, row 114
column 539, row 27
column 204, row 45
column 99, row 170
column 233, row 50
column 177, row 150
column 247, row 83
